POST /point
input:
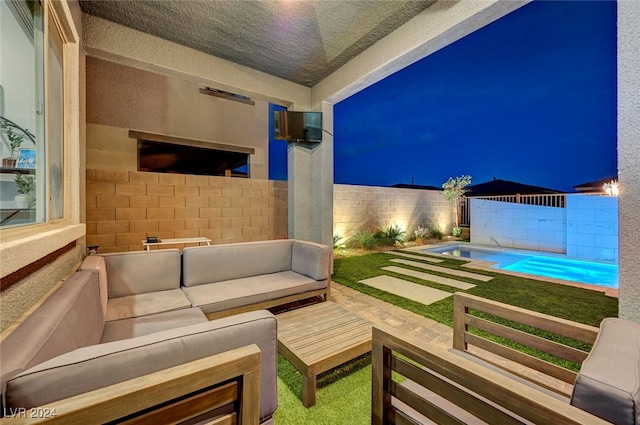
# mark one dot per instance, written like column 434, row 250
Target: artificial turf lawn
column 343, row 396
column 347, row 399
column 568, row 302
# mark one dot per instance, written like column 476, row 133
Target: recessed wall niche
column 167, row 154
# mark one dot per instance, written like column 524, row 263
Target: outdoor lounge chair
column 456, row 386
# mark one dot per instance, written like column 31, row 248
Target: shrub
column 337, row 242
column 436, row 233
column 456, row 232
column 364, row 239
column 421, row 233
column 392, row 235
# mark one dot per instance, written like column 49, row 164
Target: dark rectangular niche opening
column 180, row 159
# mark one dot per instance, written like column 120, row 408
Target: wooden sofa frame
column 276, row 302
column 225, row 384
column 446, row 386
column 463, row 339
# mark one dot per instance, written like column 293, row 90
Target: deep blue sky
column 529, row 98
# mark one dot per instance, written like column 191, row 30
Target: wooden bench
column 224, row 387
column 481, row 377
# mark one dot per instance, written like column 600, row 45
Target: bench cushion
column 98, row 366
column 219, row 296
column 137, row 326
column 219, row 263
column 608, row 384
column 133, row 273
column 143, row 304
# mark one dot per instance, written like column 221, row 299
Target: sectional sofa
column 126, row 316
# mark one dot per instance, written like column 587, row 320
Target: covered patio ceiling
column 300, row 41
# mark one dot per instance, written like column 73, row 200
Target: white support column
column 310, row 171
column 629, row 157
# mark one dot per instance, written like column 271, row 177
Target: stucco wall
column 18, row 298
column 629, row 156
column 520, row 226
column 370, row 207
column 121, row 98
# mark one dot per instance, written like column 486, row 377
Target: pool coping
column 484, row 265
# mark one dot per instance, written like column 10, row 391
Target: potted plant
column 15, row 140
column 25, row 185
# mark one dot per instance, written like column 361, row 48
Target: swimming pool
column 555, row 266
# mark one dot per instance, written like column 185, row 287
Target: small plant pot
column 9, row 162
column 23, row 200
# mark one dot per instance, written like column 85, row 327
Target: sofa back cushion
column 608, row 384
column 90, row 368
column 217, row 263
column 141, row 272
column 70, row 318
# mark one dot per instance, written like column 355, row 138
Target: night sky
column 529, row 98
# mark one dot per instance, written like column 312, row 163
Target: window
column 32, row 45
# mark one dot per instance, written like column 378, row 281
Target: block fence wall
column 521, row 226
column 370, row 207
column 587, row 228
column 123, row 207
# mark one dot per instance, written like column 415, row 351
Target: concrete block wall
column 370, row 207
column 123, row 207
column 519, row 226
column 592, row 227
column 587, row 228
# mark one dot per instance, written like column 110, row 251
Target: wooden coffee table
column 318, row 338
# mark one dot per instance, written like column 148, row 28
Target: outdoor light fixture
column 611, row 188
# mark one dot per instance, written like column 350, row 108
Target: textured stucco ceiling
column 299, row 40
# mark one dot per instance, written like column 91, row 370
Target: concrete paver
column 415, row 257
column 446, row 270
column 431, row 277
column 404, row 288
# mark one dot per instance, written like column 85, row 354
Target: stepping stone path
column 412, row 291
column 445, row 270
column 421, row 293
column 415, row 257
column 431, row 277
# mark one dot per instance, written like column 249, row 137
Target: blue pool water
column 602, row 274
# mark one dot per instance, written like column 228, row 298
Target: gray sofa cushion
column 145, row 325
column 608, row 384
column 101, row 365
column 311, row 259
column 143, row 304
column 220, row 296
column 70, row 318
column 217, row 263
column 133, row 273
